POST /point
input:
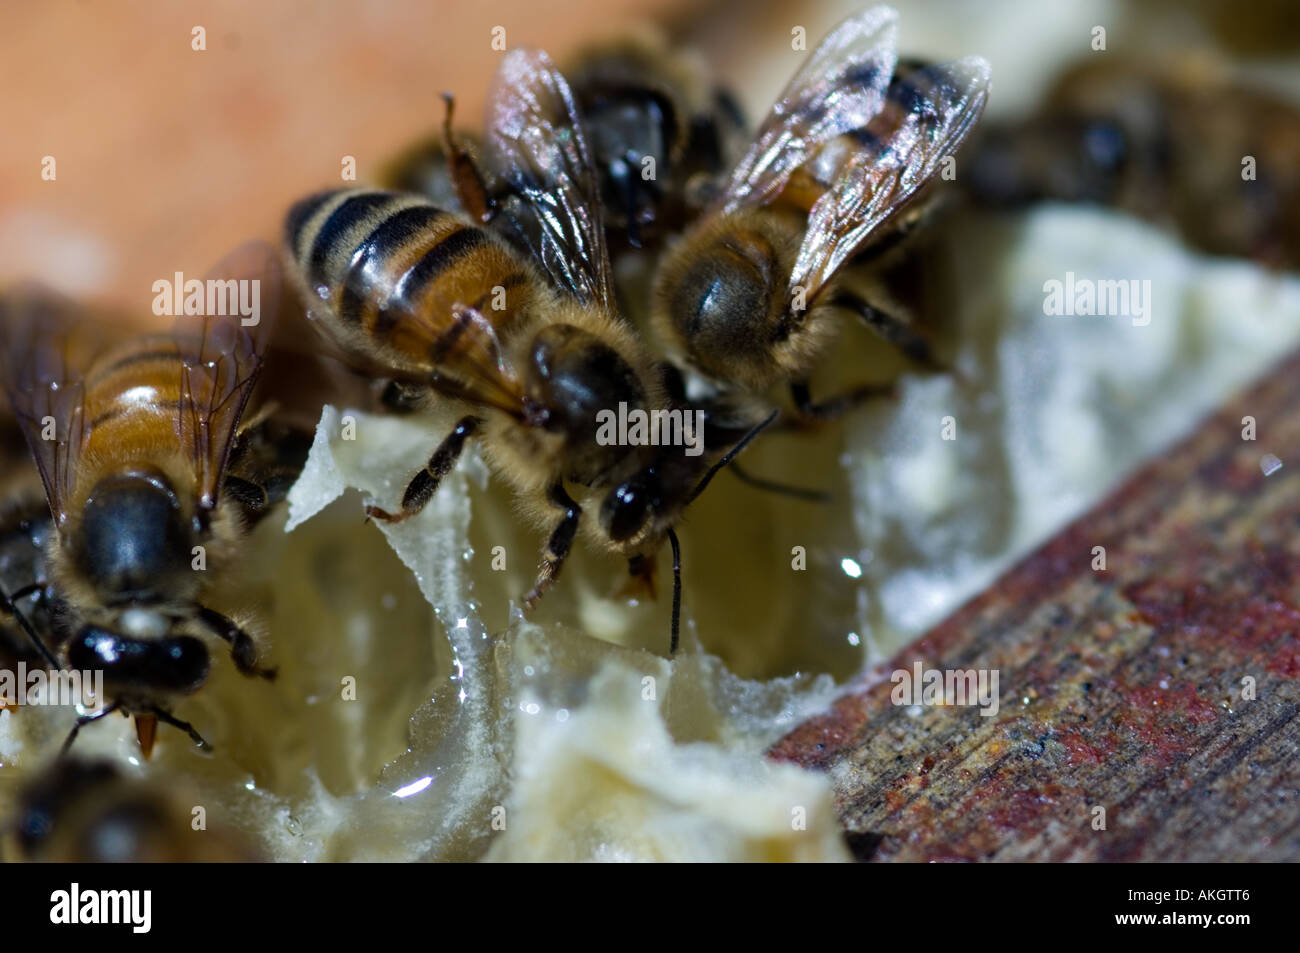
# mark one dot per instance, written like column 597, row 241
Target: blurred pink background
column 166, row 158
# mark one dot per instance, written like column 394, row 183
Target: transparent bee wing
column 535, row 143
column 472, row 366
column 45, row 345
column 840, row 87
column 927, row 114
column 220, row 360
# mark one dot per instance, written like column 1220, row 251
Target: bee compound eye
column 176, row 664
column 188, row 660
column 626, row 509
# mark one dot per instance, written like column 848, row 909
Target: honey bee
column 133, row 444
column 530, row 345
column 1167, row 141
column 658, row 132
column 88, row 811
column 746, row 296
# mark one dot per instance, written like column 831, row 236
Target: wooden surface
column 1120, row 689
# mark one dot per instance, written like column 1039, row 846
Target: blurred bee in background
column 530, row 344
column 25, row 528
column 133, row 443
column 1165, row 141
column 89, row 812
column 659, row 134
column 747, row 296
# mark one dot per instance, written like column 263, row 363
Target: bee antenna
column 8, row 606
column 677, row 589
column 731, row 454
column 785, row 489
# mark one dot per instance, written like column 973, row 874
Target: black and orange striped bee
column 133, row 443
column 748, row 295
column 530, row 344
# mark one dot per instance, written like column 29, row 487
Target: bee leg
column 242, row 649
column 557, row 547
column 276, row 485
column 913, row 345
column 30, row 589
column 7, row 606
column 785, row 489
column 837, row 406
column 256, row 497
column 465, row 175
column 266, row 461
column 249, row 495
column 85, row 720
column 168, row 719
column 425, row 483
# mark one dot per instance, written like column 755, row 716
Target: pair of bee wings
column 49, row 346
column 905, row 126
column 536, row 149
column 535, row 144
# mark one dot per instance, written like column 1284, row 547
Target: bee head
column 45, row 803
column 575, row 376
column 632, row 506
column 629, row 127
column 172, row 664
column 134, row 542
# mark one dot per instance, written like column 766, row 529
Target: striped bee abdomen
column 393, row 267
column 132, row 398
